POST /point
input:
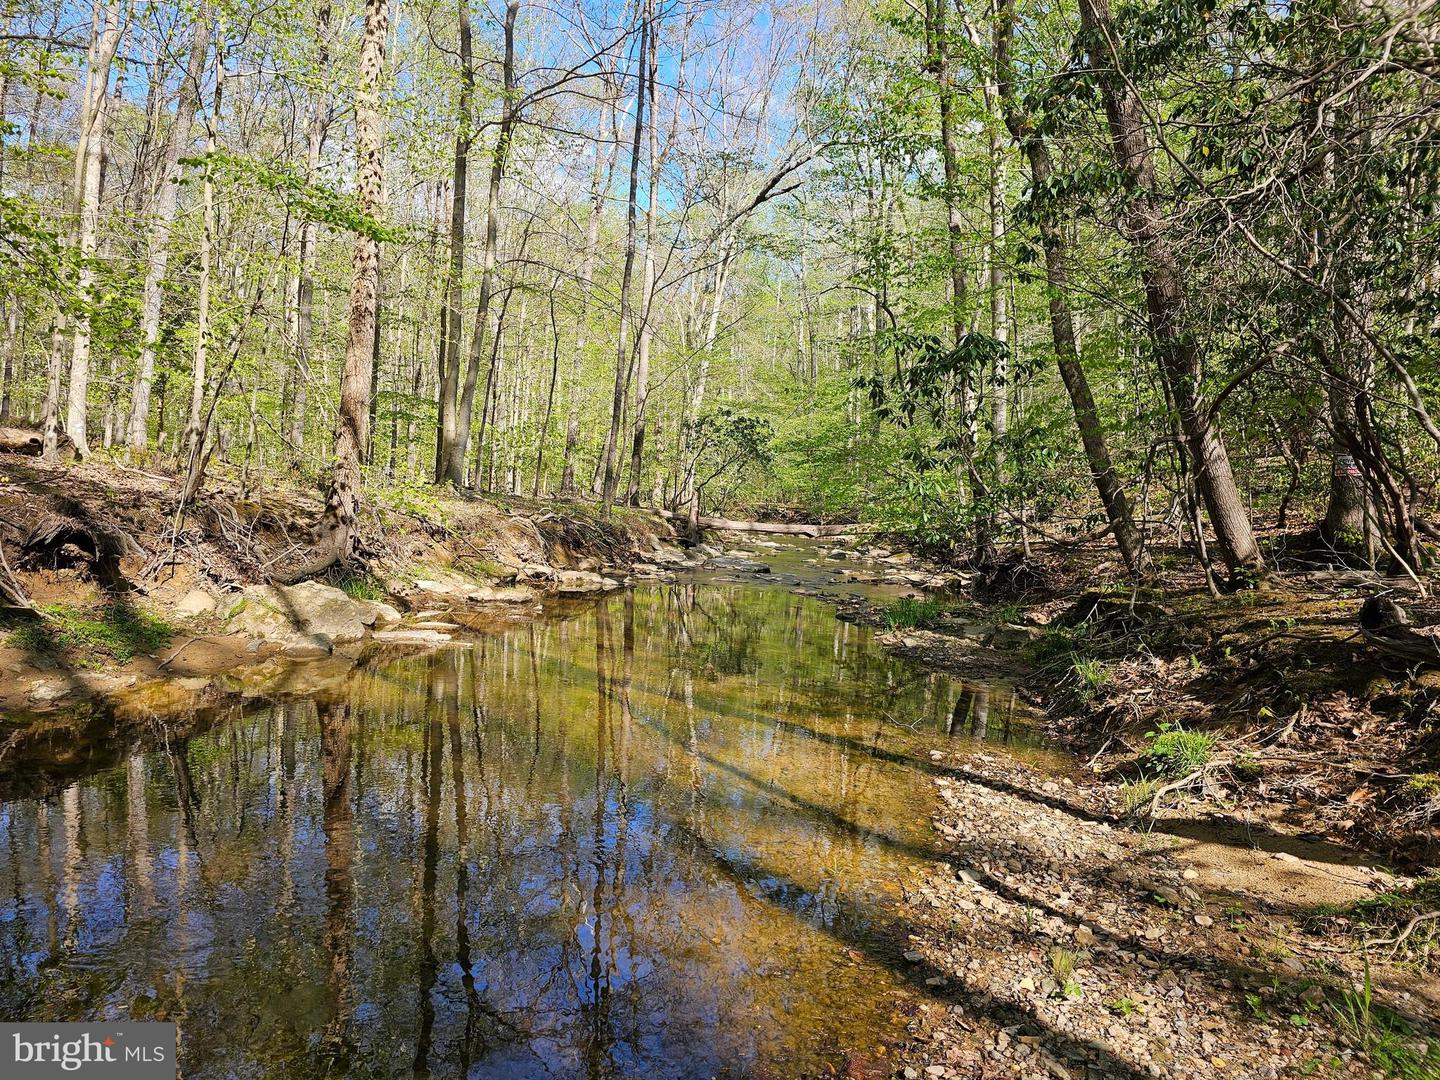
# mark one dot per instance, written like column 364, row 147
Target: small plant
column 1423, row 786
column 1388, row 914
column 1062, row 968
column 361, row 587
column 1123, row 1007
column 1090, row 675
column 1247, row 768
column 908, row 612
column 1234, row 915
column 1135, row 794
column 1173, row 751
column 1383, row 1035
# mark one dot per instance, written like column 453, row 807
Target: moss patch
column 85, row 636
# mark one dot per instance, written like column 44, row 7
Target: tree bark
column 303, row 309
column 1062, row 322
column 622, row 358
column 88, row 182
column 647, row 296
column 339, row 522
column 187, row 103
column 451, row 318
column 599, row 179
column 455, row 467
column 1175, row 345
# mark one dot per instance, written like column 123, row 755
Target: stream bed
column 658, row 834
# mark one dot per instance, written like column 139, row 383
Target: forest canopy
column 972, row 273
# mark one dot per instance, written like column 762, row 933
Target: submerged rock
column 583, row 581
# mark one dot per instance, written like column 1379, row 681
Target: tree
column 157, row 252
column 1174, row 340
column 339, row 524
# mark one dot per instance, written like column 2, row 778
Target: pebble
column 1046, row 881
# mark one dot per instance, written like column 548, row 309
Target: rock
column 378, row 614
column 292, row 614
column 490, row 594
column 308, row 647
column 912, row 956
column 44, row 691
column 572, row 582
column 411, row 637
column 1204, row 920
column 195, row 602
column 458, row 586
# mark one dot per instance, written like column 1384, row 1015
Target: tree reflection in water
column 509, row 859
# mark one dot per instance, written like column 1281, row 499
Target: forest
column 717, row 538
column 978, row 276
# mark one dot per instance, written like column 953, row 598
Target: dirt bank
column 126, row 591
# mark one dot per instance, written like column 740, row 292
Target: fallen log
column 31, row 442
column 1385, row 625
column 775, row 527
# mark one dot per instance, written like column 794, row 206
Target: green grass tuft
column 1173, row 751
column 908, row 612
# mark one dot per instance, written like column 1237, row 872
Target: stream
column 658, row 834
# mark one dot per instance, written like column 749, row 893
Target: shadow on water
column 486, row 861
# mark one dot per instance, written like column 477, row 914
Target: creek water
column 658, row 834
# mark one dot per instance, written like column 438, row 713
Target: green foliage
column 1090, row 675
column 1173, row 751
column 1062, row 968
column 910, row 612
column 88, row 635
column 360, row 586
column 1388, row 915
column 1384, row 1036
column 1135, row 794
column 306, row 199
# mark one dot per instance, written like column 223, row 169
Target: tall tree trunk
column 987, row 525
column 352, row 435
column 89, row 155
column 451, row 318
column 611, row 475
column 157, row 252
column 647, row 296
column 549, row 393
column 8, row 376
column 939, row 44
column 321, row 111
column 54, row 371
column 195, row 428
column 1175, row 345
column 599, row 179
column 455, row 467
column 690, row 489
column 1062, row 322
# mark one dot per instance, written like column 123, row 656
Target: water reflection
column 642, row 841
